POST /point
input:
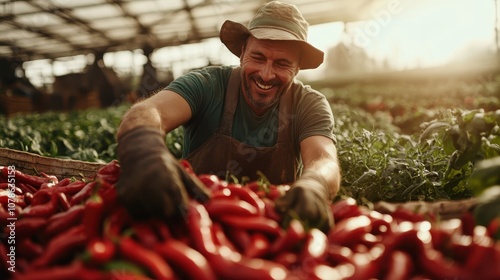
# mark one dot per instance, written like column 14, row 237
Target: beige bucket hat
column 273, row 21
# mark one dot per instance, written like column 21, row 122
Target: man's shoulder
column 220, row 71
column 305, row 91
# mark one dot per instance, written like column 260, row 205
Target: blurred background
column 70, row 55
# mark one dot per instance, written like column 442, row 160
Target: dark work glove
column 309, row 201
column 152, row 183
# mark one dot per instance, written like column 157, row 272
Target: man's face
column 269, row 68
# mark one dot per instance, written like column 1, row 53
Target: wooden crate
column 88, row 100
column 12, row 104
column 30, row 163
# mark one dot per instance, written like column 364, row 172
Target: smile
column 262, row 86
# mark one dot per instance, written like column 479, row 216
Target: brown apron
column 221, row 154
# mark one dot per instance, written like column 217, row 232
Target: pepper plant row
column 76, row 229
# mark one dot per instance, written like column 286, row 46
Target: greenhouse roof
column 50, row 29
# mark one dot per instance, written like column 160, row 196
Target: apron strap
column 285, row 118
column 230, row 102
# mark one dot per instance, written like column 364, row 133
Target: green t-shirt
column 205, row 91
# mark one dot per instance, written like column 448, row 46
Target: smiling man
column 238, row 120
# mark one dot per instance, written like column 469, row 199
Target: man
column 238, row 120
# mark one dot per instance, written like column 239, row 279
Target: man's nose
column 267, row 72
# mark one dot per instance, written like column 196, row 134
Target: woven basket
column 34, row 164
column 445, row 209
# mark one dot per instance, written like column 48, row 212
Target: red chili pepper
column 7, row 197
column 161, row 228
column 381, row 223
column 48, row 185
column 42, row 196
column 339, row 254
column 84, row 193
column 4, row 259
column 286, row 258
column 254, row 186
column 64, row 220
column 26, row 226
column 220, row 238
column 436, row 266
column 459, row 247
column 468, row 223
column 480, row 253
column 294, row 234
column 239, row 237
column 21, row 177
column 322, row 271
column 115, row 222
column 345, row 208
column 199, row 224
column 64, row 182
column 225, row 262
column 259, row 246
column 145, row 234
column 16, row 189
column 109, row 197
column 248, row 196
column 223, row 194
column 62, row 245
column 63, row 201
column 125, row 270
column 5, row 214
column 93, row 216
column 192, row 263
column 28, row 249
column 42, row 210
column 71, row 188
column 28, row 198
column 212, row 182
column 350, row 231
column 368, row 265
column 274, row 192
column 100, row 250
column 270, row 210
column 255, row 223
column 494, row 228
column 110, row 172
column 76, row 270
column 24, row 188
column 400, row 266
column 228, row 264
column 51, row 178
column 218, row 207
column 148, row 258
column 315, row 247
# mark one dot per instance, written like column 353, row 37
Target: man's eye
column 258, row 58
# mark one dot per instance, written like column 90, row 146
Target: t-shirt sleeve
column 194, row 88
column 315, row 117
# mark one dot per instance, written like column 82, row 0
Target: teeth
column 263, row 86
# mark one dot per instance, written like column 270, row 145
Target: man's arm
column 144, row 156
column 165, row 110
column 319, row 156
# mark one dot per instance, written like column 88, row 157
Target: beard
column 252, row 96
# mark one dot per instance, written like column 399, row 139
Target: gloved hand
column 309, row 201
column 152, row 183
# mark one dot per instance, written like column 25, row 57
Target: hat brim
column 233, row 35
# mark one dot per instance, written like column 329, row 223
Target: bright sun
column 422, row 33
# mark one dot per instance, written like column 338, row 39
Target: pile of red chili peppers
column 76, row 229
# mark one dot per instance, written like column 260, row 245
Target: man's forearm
column 139, row 115
column 328, row 170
